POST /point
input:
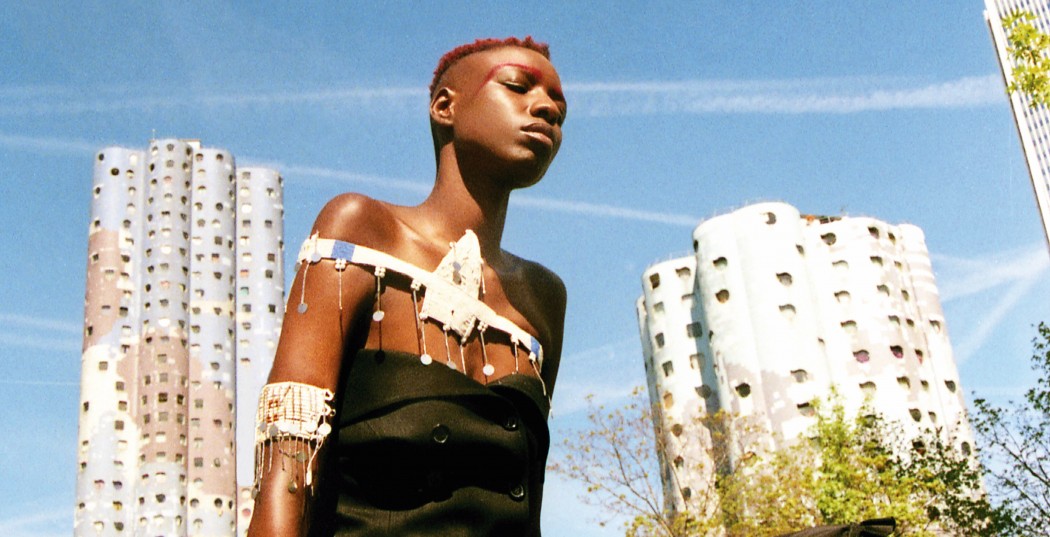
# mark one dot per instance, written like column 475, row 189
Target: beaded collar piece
column 450, row 293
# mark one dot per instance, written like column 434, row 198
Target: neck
column 463, row 200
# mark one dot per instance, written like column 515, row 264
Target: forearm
column 283, row 498
column 292, row 423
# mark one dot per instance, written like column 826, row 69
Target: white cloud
column 43, row 342
column 47, row 145
column 960, row 277
column 522, row 200
column 45, row 522
column 1013, row 273
column 57, row 103
column 608, row 211
column 349, row 177
column 1005, row 302
column 830, row 95
column 39, row 322
column 802, row 96
column 40, row 333
column 595, row 376
column 16, row 382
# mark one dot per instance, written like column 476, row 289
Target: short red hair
column 462, row 51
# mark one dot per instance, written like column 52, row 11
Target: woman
column 417, row 359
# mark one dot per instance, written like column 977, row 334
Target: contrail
column 520, row 200
column 40, row 322
column 780, row 97
column 42, row 342
column 829, row 95
column 1017, row 271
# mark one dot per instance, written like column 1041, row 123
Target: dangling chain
column 379, row 314
column 488, row 368
column 422, row 337
column 448, row 353
column 457, row 316
column 340, row 267
column 302, row 291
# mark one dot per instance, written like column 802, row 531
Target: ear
column 442, row 107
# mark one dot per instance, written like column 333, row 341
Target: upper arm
column 313, row 342
column 551, row 297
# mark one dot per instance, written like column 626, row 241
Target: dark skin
column 496, row 117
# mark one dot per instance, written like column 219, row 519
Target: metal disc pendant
column 488, row 370
column 451, row 364
column 426, row 359
column 378, row 316
column 302, row 307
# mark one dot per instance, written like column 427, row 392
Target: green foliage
column 869, row 468
column 1027, row 47
column 1016, row 448
column 853, row 469
column 769, row 494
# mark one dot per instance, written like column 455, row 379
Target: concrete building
column 773, row 310
column 183, row 307
column 1033, row 124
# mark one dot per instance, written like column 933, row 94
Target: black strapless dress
column 422, row 450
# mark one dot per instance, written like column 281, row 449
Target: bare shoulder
column 545, row 282
column 547, row 291
column 356, row 218
column 546, row 312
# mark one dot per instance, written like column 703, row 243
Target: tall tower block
column 784, row 307
column 1033, row 124
column 166, row 334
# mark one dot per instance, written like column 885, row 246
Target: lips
column 540, row 131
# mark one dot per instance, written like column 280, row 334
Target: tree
column 1016, row 446
column 616, row 460
column 866, row 469
column 871, row 468
column 1027, row 47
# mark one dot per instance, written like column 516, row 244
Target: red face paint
column 534, row 73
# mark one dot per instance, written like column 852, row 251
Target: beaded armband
column 292, row 420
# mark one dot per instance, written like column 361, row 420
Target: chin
column 528, row 172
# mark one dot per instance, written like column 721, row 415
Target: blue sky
column 677, row 111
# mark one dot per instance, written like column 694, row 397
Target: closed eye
column 517, row 87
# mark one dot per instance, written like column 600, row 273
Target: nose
column 545, row 108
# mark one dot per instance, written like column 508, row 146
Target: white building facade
column 776, row 308
column 182, row 313
column 1033, row 124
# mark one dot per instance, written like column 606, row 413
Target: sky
column 678, row 111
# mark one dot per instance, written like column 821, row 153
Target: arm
column 551, row 295
column 310, row 352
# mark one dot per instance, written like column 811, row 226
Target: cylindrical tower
column 211, row 456
column 164, row 360
column 108, row 429
column 183, row 309
column 946, row 407
column 797, row 305
column 755, row 292
column 679, row 376
column 260, row 309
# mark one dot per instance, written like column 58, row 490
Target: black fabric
column 422, row 450
column 878, row 527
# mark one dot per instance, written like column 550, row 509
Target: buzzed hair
column 462, row 51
